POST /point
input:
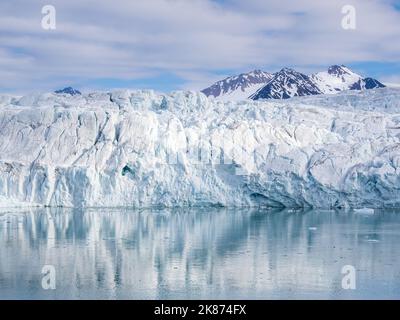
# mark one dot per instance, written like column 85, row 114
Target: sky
column 189, row 44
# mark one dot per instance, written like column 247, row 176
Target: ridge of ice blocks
column 143, row 149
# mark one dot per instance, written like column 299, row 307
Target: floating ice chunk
column 364, row 211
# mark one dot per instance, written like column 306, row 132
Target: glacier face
column 143, row 149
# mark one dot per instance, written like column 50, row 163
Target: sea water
column 206, row 253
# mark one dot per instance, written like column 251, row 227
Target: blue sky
column 189, row 44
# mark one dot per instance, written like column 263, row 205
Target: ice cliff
column 142, row 149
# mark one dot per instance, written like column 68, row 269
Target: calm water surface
column 198, row 254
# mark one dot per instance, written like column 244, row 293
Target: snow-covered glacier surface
column 143, row 149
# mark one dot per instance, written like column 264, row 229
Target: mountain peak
column 336, row 79
column 287, row 70
column 68, row 90
column 339, row 70
column 285, row 84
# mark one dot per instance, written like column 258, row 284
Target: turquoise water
column 199, row 254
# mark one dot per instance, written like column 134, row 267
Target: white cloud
column 189, row 38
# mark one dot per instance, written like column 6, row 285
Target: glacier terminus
column 147, row 149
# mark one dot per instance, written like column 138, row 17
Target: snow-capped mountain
column 339, row 78
column 68, row 90
column 285, row 84
column 289, row 83
column 238, row 87
column 336, row 79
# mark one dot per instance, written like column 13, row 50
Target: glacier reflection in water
column 198, row 254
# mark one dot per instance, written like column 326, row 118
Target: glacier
column 146, row 149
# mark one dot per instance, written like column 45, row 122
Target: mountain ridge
column 288, row 83
column 240, row 86
column 285, row 84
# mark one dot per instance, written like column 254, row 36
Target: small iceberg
column 364, row 211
